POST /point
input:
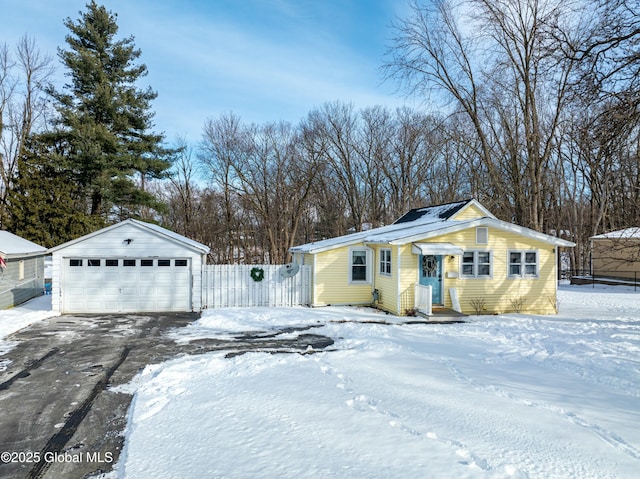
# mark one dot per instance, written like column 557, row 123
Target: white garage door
column 121, row 285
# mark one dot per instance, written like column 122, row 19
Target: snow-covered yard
column 511, row 396
column 14, row 319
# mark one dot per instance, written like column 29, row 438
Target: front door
column 430, row 270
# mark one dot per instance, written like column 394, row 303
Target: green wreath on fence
column 257, row 274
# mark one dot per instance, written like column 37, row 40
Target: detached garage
column 129, row 267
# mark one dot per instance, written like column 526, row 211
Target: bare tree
column 182, row 194
column 334, row 128
column 608, row 50
column 419, row 169
column 7, row 88
column 221, row 149
column 607, row 103
column 264, row 176
column 23, row 106
column 498, row 64
column 276, row 178
column 405, row 169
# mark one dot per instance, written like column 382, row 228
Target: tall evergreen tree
column 107, row 117
column 45, row 204
column 103, row 141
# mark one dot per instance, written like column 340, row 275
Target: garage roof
column 158, row 230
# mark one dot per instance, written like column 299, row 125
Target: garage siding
column 128, row 240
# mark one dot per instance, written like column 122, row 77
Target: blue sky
column 265, row 60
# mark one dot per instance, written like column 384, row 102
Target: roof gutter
column 32, row 254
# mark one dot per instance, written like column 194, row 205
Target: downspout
column 558, row 275
column 313, row 286
column 204, row 300
column 398, row 290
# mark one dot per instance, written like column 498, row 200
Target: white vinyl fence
column 232, row 285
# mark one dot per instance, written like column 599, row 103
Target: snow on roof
column 626, row 233
column 419, row 221
column 423, row 223
column 383, row 234
column 11, row 244
column 442, row 212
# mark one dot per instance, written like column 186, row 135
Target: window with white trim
column 358, row 266
column 476, row 264
column 523, row 264
column 385, row 262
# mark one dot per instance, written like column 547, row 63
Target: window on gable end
column 482, row 235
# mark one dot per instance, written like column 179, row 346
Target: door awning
column 436, row 248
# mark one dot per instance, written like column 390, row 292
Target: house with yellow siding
column 454, row 256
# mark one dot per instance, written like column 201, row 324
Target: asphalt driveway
column 59, row 417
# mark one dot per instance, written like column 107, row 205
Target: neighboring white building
column 131, row 266
column 21, row 269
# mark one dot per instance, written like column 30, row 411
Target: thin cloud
column 264, row 60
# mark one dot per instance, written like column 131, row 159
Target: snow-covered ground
column 14, row 319
column 511, row 396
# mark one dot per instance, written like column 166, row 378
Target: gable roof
column 155, row 229
column 13, row 245
column 424, row 223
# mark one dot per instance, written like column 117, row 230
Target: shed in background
column 616, row 254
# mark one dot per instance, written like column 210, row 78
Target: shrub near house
column 460, row 250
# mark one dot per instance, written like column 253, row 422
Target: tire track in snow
column 605, row 435
column 365, row 403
